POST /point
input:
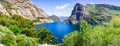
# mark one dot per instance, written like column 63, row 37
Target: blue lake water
column 59, row 29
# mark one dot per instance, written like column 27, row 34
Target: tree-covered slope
column 20, row 31
column 104, row 9
column 106, row 34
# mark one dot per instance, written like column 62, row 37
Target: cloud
column 62, row 6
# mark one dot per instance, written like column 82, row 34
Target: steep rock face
column 55, row 18
column 78, row 12
column 93, row 13
column 24, row 8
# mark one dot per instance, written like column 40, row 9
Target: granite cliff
column 77, row 14
column 25, row 8
column 92, row 13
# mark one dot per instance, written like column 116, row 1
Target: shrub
column 7, row 37
column 100, row 35
column 29, row 32
column 15, row 29
column 46, row 36
column 23, row 40
column 72, row 39
column 17, row 24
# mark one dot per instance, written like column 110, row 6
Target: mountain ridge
column 55, row 18
column 24, row 8
column 96, row 13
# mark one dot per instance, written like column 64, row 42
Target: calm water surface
column 59, row 29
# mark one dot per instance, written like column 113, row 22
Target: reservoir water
column 59, row 29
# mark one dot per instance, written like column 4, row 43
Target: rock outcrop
column 24, row 8
column 55, row 18
column 92, row 13
column 78, row 12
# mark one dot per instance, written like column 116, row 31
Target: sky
column 65, row 7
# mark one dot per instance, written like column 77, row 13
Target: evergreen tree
column 46, row 36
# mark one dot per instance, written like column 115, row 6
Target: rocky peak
column 24, row 8
column 77, row 13
column 55, row 18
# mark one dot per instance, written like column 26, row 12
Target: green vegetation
column 23, row 40
column 104, row 9
column 15, row 29
column 95, row 15
column 21, row 32
column 18, row 31
column 100, row 35
column 113, row 12
column 72, row 39
column 7, row 37
column 16, row 23
column 76, row 38
column 92, row 8
column 46, row 36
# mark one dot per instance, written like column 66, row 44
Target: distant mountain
column 63, row 18
column 55, row 18
column 24, row 8
column 92, row 13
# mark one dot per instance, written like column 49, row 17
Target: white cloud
column 62, row 6
column 91, row 3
